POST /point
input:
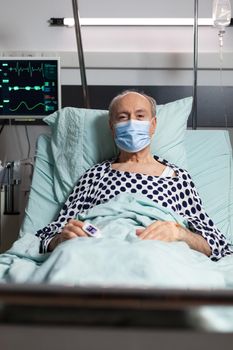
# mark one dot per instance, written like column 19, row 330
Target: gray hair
column 126, row 92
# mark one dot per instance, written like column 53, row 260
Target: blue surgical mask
column 133, row 135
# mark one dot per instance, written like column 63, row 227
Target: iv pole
column 86, row 98
column 195, row 65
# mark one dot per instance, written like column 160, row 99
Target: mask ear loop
column 221, row 86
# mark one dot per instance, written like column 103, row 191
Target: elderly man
column 132, row 119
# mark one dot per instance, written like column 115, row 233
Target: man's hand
column 166, row 231
column 71, row 230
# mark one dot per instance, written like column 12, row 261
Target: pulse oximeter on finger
column 91, row 230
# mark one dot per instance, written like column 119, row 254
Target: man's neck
column 142, row 157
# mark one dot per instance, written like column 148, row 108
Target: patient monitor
column 29, row 87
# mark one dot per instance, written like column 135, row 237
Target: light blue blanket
column 119, row 258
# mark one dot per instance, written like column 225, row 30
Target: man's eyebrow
column 122, row 112
column 137, row 111
column 140, row 110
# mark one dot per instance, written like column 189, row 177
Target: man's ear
column 153, row 125
column 111, row 127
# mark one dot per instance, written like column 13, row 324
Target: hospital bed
column 120, row 314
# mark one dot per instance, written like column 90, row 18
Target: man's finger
column 76, row 223
column 149, row 229
column 70, row 228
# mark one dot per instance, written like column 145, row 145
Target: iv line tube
column 221, row 88
column 220, row 35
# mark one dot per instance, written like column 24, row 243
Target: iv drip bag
column 221, row 13
column 221, row 17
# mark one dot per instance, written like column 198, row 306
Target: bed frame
column 106, row 318
column 109, row 318
column 108, row 307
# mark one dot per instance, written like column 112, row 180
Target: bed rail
column 111, row 307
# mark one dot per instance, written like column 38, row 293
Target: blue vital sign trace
column 29, row 87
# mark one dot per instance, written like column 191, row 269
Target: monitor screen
column 29, row 87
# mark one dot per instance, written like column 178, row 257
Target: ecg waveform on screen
column 26, row 105
column 30, row 69
column 28, row 88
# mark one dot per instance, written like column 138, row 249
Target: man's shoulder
column 98, row 167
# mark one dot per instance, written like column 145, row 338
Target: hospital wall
column 116, row 56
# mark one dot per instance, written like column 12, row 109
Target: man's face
column 133, row 106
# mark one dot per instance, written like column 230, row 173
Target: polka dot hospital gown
column 101, row 183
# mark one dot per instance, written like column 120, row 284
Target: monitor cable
column 28, row 141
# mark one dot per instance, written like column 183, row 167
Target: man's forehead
column 135, row 96
column 133, row 93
